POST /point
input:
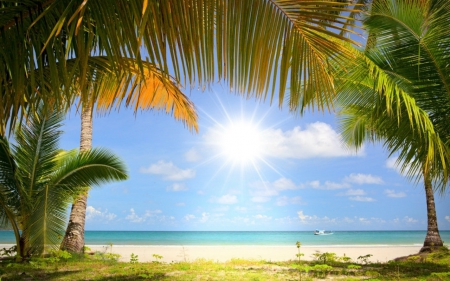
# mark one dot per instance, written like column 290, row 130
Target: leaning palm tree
column 408, row 49
column 38, row 181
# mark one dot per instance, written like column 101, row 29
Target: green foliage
column 134, row 258
column 157, row 258
column 39, row 182
column 438, row 276
column 364, row 259
column 353, row 266
column 325, row 257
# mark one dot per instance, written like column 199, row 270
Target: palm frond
column 36, row 148
column 259, row 47
column 90, row 168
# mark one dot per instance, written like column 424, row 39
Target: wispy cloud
column 314, row 140
column 285, row 200
column 192, row 155
column 447, row 218
column 177, row 187
column 135, row 218
column 225, row 199
column 353, row 192
column 362, row 199
column 393, row 194
column 168, row 171
column 363, row 179
column 410, row 220
column 97, row 214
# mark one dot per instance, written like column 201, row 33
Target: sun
column 241, row 142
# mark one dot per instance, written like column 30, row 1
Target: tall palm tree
column 153, row 91
column 409, row 44
column 38, row 181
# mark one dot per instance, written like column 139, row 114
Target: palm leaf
column 36, row 148
column 258, row 46
column 90, row 168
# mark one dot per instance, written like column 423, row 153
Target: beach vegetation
column 405, row 105
column 39, row 181
column 92, row 267
column 134, row 258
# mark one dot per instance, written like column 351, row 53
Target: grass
column 62, row 266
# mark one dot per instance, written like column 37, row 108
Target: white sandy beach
column 269, row 253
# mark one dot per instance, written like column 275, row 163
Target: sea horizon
column 355, row 238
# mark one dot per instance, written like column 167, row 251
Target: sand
column 269, row 253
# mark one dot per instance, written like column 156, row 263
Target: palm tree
column 257, row 46
column 260, row 46
column 408, row 47
column 38, row 181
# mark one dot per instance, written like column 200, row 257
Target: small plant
column 110, row 246
column 322, row 269
column 134, row 258
column 86, row 249
column 345, row 259
column 353, row 266
column 364, row 259
column 157, row 258
column 299, row 255
column 326, row 257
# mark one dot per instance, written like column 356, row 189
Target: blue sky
column 252, row 166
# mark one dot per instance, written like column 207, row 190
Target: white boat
column 322, row 232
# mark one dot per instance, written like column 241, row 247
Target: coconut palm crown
column 409, row 45
column 38, row 181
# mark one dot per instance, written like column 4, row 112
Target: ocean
column 261, row 238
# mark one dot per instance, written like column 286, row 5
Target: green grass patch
column 63, row 266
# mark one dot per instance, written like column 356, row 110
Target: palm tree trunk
column 433, row 239
column 74, row 238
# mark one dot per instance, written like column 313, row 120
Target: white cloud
column 177, row 187
column 93, row 213
column 363, row 179
column 447, row 218
column 316, row 140
column 284, row 200
column 133, row 217
column 180, row 204
column 225, row 199
column 328, row 185
column 241, row 209
column 409, row 220
column 189, row 217
column 393, row 194
column 262, row 191
column 353, row 192
column 302, row 216
column 262, row 217
column 285, row 184
column 192, row 155
column 205, row 217
column 168, row 171
column 362, row 199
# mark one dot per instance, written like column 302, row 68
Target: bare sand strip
column 269, row 253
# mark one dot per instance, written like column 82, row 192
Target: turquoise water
column 269, row 238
